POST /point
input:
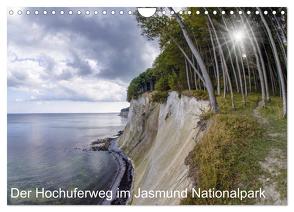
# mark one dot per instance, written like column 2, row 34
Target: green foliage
column 137, row 84
column 133, row 89
column 174, row 82
column 198, row 94
column 168, row 69
column 229, row 154
column 251, row 103
column 159, row 96
column 224, row 159
column 162, row 84
column 274, row 109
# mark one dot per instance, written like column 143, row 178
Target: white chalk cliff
column 158, row 138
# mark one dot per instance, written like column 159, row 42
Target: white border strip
column 135, row 3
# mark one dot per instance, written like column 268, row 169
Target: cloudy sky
column 73, row 63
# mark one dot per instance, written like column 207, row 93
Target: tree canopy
column 219, row 53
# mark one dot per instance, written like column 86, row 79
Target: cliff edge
column 158, row 138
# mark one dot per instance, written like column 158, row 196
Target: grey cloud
column 83, row 67
column 47, row 62
column 16, row 79
column 113, row 41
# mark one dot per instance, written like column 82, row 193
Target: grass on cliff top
column 161, row 96
column 228, row 155
column 198, row 94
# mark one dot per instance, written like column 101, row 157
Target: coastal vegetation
column 238, row 63
column 232, row 152
column 223, row 54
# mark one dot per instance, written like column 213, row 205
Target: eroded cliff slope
column 158, row 138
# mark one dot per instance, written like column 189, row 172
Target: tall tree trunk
column 263, row 69
column 215, row 61
column 188, row 59
column 260, row 73
column 249, row 74
column 272, row 79
column 278, row 64
column 208, row 83
column 226, row 75
column 230, row 56
column 243, row 71
column 191, row 75
column 195, row 76
column 187, row 75
column 261, row 61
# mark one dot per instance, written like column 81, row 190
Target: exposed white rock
column 158, row 138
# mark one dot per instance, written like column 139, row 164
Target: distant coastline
column 90, row 170
column 59, row 113
column 124, row 112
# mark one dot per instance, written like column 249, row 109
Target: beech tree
column 220, row 54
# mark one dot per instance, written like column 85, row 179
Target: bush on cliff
column 227, row 156
column 198, row 94
column 159, row 96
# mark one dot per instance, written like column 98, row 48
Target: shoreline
column 123, row 179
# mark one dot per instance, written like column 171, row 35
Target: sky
column 73, row 63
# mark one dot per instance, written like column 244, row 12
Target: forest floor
column 246, row 148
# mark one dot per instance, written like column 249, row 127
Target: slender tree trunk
column 230, row 56
column 215, row 61
column 249, row 75
column 263, row 69
column 269, row 67
column 239, row 74
column 187, row 75
column 244, row 75
column 260, row 73
column 190, row 75
column 234, row 72
column 226, row 75
column 261, row 61
column 188, row 59
column 255, row 81
column 195, row 76
column 272, row 79
column 208, row 83
column 284, row 36
column 278, row 64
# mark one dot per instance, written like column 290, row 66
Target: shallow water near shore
column 46, row 151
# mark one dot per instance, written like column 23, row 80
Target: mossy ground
column 230, row 153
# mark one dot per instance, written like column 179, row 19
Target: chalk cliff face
column 158, row 138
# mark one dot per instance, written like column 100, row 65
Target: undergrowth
column 227, row 156
column 198, row 94
column 159, row 96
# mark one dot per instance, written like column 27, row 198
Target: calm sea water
column 45, row 151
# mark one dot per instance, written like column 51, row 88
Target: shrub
column 198, row 94
column 162, row 84
column 159, row 96
column 224, row 158
column 174, row 82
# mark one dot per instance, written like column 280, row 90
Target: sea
column 50, row 151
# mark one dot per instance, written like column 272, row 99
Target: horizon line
column 64, row 113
